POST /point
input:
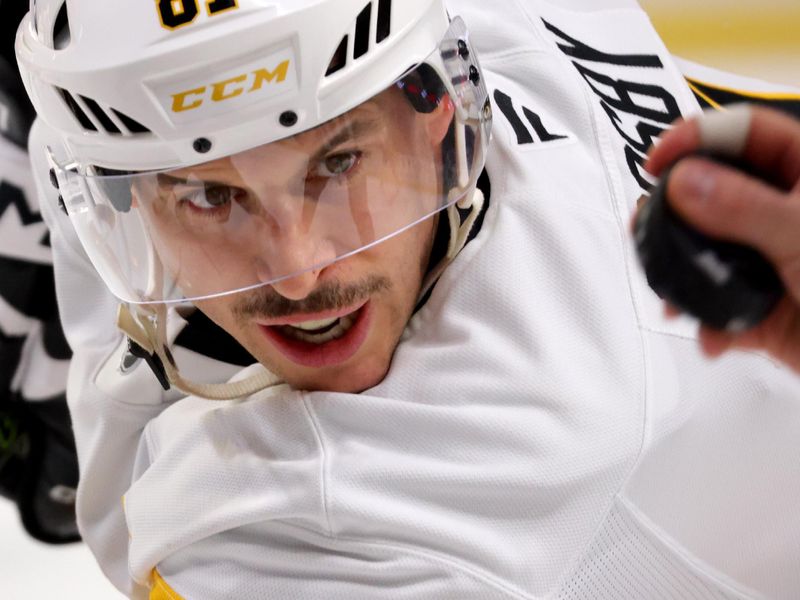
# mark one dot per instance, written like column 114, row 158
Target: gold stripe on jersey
column 718, row 96
column 160, row 589
column 746, row 93
column 697, row 92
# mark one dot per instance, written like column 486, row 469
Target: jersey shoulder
column 717, row 89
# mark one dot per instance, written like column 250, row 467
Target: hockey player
column 38, row 466
column 467, row 389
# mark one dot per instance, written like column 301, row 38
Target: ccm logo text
column 233, row 87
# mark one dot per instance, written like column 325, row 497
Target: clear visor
column 294, row 205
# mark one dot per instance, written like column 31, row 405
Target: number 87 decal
column 177, row 13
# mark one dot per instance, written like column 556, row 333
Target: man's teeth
column 315, row 325
column 302, row 331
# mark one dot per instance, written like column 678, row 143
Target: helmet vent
column 101, row 116
column 384, row 20
column 131, row 125
column 76, row 110
column 369, row 25
column 94, row 117
column 361, row 46
column 62, row 35
column 339, row 59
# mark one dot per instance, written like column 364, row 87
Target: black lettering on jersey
column 647, row 132
column 524, row 136
column 536, row 122
column 625, row 93
column 11, row 195
column 580, row 51
column 636, row 149
column 649, row 108
column 635, row 162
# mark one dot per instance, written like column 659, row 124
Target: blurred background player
column 38, row 465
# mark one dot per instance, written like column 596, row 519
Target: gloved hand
column 39, row 468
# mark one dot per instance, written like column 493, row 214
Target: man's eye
column 337, row 164
column 211, row 197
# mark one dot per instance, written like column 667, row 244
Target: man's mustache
column 266, row 303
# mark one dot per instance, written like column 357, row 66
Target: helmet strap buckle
column 153, row 361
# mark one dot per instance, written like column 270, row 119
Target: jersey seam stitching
column 500, row 585
column 698, row 566
column 315, row 426
column 688, row 338
column 612, row 186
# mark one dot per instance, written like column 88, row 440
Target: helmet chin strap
column 459, row 234
column 145, row 326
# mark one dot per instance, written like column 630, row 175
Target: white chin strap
column 146, row 325
column 459, row 234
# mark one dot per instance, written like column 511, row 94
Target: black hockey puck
column 727, row 286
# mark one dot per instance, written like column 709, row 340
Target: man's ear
column 438, row 121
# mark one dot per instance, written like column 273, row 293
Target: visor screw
column 474, row 76
column 53, row 178
column 288, row 118
column 487, row 110
column 202, row 145
column 463, row 50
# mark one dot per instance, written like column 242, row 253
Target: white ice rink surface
column 30, row 570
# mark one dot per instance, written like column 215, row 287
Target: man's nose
column 294, row 261
column 299, row 286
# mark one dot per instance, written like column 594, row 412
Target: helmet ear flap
column 423, row 88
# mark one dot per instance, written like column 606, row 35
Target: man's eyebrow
column 165, row 180
column 349, row 130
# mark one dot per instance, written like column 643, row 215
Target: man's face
column 271, row 213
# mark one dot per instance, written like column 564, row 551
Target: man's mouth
column 319, row 332
column 320, row 340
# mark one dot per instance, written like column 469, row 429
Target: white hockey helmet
column 205, row 137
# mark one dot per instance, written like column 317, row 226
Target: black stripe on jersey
column 203, row 336
column 55, row 343
column 714, row 96
column 11, row 195
column 28, row 287
column 10, row 353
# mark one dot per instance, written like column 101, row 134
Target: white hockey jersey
column 542, row 432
